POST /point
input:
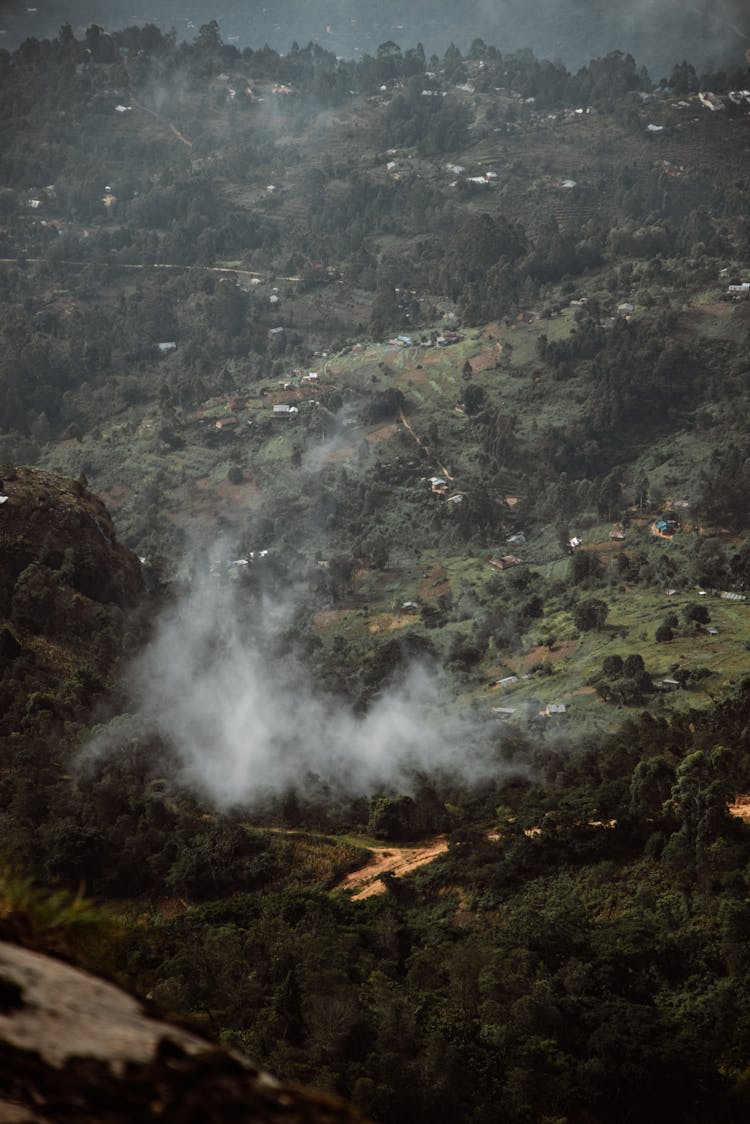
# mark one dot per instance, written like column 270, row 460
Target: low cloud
column 245, row 719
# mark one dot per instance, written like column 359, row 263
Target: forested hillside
column 374, row 478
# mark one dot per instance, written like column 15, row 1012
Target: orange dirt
column 388, row 622
column 172, row 907
column 541, row 654
column 485, row 360
column 366, row 882
column 741, row 808
column 435, row 584
column 328, row 617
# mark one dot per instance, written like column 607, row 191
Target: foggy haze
column 245, row 718
column 657, row 32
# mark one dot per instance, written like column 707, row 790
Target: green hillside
column 374, row 477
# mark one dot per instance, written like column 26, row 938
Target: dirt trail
column 397, row 861
column 422, row 445
column 154, row 265
column 162, row 121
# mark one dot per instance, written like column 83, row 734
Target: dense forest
column 373, row 478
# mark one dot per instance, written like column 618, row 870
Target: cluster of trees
column 603, row 920
column 586, row 944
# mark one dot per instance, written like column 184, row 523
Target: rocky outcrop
column 75, row 1048
column 67, row 588
column 58, row 524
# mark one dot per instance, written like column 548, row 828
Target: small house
column 167, row 346
column 668, row 684
column 284, row 410
column 227, row 423
column 555, row 710
column 505, row 562
column 507, row 681
column 517, row 539
column 503, row 711
column 575, row 542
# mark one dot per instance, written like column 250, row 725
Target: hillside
column 374, row 558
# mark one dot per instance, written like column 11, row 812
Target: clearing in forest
column 366, row 882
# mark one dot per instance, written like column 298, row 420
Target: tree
column 696, row 614
column 634, row 665
column 473, row 398
column 612, row 666
column 209, row 37
column 584, row 565
column 392, row 817
column 590, row 615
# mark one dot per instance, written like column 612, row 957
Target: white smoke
column 245, row 721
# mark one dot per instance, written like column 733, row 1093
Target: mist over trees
column 657, row 33
column 416, row 380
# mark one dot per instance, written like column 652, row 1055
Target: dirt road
column 398, row 861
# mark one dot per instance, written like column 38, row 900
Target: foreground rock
column 75, row 1048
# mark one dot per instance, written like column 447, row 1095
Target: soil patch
column 327, row 618
column 435, row 584
column 206, row 503
column 486, row 359
column 366, row 882
column 388, row 622
column 172, row 907
column 382, row 433
column 740, row 808
column 542, row 654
